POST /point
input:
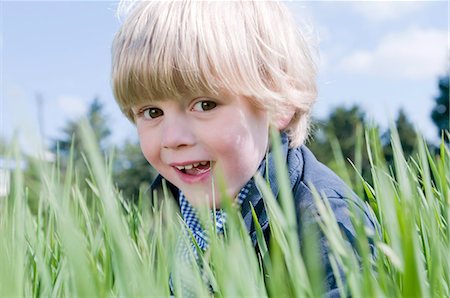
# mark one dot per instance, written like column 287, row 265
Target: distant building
column 7, row 166
column 5, row 178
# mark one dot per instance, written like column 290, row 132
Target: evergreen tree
column 407, row 135
column 97, row 119
column 441, row 113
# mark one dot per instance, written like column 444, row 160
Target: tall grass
column 96, row 243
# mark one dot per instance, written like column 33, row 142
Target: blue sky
column 380, row 55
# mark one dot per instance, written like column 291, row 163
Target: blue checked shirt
column 192, row 221
column 189, row 215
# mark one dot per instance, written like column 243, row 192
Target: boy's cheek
column 230, row 141
column 227, row 137
column 148, row 152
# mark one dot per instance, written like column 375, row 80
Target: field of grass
column 94, row 243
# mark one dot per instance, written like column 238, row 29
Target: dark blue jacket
column 304, row 170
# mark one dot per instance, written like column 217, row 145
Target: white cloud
column 382, row 11
column 413, row 54
column 72, row 106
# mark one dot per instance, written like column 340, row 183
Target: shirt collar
column 190, row 216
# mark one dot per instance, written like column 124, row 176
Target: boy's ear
column 282, row 121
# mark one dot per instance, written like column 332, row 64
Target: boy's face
column 188, row 141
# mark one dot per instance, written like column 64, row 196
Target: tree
column 441, row 113
column 98, row 120
column 344, row 126
column 71, row 133
column 407, row 135
column 132, row 172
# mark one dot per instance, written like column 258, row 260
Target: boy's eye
column 204, row 105
column 152, row 113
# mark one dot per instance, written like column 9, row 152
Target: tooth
column 196, row 164
column 188, row 167
column 203, row 163
column 179, row 167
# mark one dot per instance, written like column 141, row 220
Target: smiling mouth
column 195, row 169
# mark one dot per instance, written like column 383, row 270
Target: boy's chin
column 202, row 199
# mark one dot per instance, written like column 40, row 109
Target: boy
column 203, row 82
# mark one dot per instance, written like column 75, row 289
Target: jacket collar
column 254, row 198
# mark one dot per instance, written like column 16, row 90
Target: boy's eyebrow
column 135, row 109
column 153, row 101
column 139, row 105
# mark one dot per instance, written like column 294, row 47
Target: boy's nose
column 176, row 134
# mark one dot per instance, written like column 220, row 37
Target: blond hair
column 168, row 49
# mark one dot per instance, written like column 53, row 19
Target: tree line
column 341, row 132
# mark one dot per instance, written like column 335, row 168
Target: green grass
column 95, row 243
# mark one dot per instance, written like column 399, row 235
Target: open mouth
column 197, row 168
